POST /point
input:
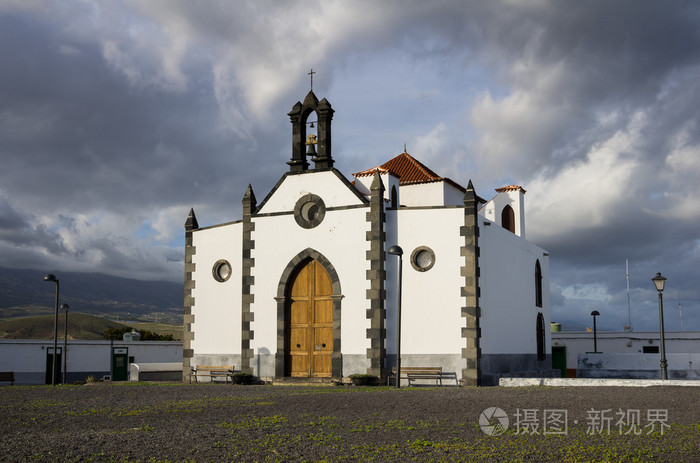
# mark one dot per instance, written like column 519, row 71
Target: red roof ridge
column 409, row 170
column 371, row 171
column 422, row 167
column 511, row 188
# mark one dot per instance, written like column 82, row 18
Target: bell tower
column 298, row 117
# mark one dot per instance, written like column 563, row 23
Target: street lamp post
column 595, row 313
column 660, row 282
column 52, row 277
column 397, row 251
column 65, row 343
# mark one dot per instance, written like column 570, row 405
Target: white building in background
column 31, row 360
column 626, row 354
column 302, row 285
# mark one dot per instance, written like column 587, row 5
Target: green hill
column 23, row 293
column 80, row 326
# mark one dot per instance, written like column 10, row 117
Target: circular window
column 423, row 259
column 221, row 270
column 309, row 211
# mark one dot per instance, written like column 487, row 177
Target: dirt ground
column 202, row 423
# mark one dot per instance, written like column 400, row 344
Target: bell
column 311, row 149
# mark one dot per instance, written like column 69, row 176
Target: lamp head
column 659, row 282
column 395, row 250
column 51, row 277
column 595, row 313
column 65, row 306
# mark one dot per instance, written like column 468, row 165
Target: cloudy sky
column 117, row 117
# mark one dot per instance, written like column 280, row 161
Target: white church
column 303, row 285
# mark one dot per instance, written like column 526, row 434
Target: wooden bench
column 7, row 376
column 212, row 371
column 414, row 373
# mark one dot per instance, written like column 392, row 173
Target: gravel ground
column 178, row 422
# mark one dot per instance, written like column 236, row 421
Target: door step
column 306, row 382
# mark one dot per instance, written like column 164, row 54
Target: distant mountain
column 25, row 293
column 80, row 326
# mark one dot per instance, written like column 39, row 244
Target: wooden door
column 310, row 323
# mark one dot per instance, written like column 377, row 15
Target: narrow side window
column 508, row 219
column 541, row 353
column 538, row 284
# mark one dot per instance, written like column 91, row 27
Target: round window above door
column 309, row 211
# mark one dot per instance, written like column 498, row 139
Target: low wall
column 155, row 372
column 637, row 366
column 28, row 358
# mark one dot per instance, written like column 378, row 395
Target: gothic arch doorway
column 309, row 323
column 308, row 319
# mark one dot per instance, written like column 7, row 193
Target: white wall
column 516, row 199
column 452, row 196
column 423, row 194
column 431, row 301
column 363, row 183
column 622, row 342
column 635, row 365
column 509, row 313
column 217, row 307
column 27, row 358
column 326, row 185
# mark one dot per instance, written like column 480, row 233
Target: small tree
column 117, row 334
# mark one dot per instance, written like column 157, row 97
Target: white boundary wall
column 27, row 357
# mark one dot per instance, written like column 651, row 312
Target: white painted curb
column 519, row 382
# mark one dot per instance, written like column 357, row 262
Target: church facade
column 303, row 285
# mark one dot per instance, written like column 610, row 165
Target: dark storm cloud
column 86, row 139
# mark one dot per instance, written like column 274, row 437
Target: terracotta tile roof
column 370, row 172
column 409, row 171
column 511, row 188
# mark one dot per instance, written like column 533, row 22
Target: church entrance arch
column 309, row 323
column 308, row 319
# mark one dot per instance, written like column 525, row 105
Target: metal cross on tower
column 312, row 78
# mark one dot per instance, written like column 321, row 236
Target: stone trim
column 281, row 299
column 376, row 275
column 350, row 186
column 188, row 317
column 328, row 209
column 419, row 208
column 274, row 189
column 471, row 332
column 219, row 225
column 247, row 281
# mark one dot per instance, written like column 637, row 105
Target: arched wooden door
column 309, row 331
